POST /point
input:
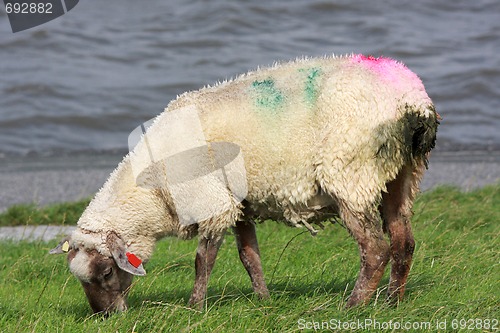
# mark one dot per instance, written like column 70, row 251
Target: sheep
column 335, row 137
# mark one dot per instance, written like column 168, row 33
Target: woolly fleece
column 316, row 134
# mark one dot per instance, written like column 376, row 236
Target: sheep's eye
column 108, row 273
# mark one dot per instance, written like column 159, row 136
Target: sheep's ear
column 62, row 247
column 125, row 260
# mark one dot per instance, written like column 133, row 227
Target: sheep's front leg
column 248, row 248
column 374, row 253
column 205, row 260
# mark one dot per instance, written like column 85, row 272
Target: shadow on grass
column 298, row 290
column 232, row 293
column 281, row 291
column 178, row 297
column 79, row 311
column 420, row 284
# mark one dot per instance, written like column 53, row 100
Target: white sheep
column 334, row 136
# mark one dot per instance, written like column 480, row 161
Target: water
column 82, row 82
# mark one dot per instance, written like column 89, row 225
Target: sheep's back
column 312, row 124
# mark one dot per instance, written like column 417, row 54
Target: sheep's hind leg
column 396, row 213
column 374, row 254
column 205, row 260
column 248, row 249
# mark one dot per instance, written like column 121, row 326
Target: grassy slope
column 26, row 214
column 455, row 275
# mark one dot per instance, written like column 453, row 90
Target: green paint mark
column 311, row 88
column 268, row 96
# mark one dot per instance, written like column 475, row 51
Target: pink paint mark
column 387, row 69
column 371, row 59
column 368, row 58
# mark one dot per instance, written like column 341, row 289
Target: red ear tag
column 133, row 260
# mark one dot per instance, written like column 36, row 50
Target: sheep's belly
column 317, row 209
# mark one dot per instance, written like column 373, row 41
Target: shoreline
column 46, row 180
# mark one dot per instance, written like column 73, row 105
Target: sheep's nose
column 121, row 306
column 118, row 306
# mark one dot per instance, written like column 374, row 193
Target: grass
column 455, row 276
column 30, row 214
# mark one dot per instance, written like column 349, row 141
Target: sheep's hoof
column 393, row 299
column 356, row 300
column 263, row 294
column 196, row 307
column 350, row 304
column 196, row 304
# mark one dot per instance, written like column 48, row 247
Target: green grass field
column 454, row 284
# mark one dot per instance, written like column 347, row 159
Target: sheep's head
column 106, row 280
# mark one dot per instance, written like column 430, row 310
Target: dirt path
column 43, row 233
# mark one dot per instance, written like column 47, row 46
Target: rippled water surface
column 83, row 81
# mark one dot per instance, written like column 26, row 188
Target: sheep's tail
column 420, row 126
column 423, row 128
column 409, row 139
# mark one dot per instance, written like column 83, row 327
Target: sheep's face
column 104, row 283
column 105, row 279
